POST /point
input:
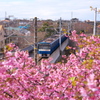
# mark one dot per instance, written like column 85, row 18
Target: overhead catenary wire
column 15, row 33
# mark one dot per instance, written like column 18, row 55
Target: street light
column 95, row 18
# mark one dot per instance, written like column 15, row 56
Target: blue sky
column 49, row 9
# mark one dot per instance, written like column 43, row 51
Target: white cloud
column 45, row 9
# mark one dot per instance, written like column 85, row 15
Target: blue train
column 49, row 45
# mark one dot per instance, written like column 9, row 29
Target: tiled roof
column 98, row 26
column 0, row 27
column 5, row 21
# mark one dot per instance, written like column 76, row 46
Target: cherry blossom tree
column 76, row 79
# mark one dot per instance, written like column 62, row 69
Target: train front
column 44, row 49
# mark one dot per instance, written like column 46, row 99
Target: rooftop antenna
column 5, row 14
column 71, row 15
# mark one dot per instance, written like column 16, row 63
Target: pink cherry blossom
column 77, row 78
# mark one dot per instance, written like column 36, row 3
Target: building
column 83, row 26
column 98, row 29
column 2, row 37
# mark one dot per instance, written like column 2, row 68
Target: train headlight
column 44, row 49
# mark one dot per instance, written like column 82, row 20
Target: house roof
column 5, row 21
column 98, row 26
column 12, row 28
column 1, row 27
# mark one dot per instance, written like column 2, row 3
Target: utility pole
column 95, row 19
column 35, row 39
column 69, row 29
column 60, row 36
column 71, row 22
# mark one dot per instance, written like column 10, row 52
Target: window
column 44, row 46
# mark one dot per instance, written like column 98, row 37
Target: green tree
column 49, row 29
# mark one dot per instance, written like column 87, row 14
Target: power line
column 14, row 33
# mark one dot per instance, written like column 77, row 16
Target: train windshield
column 44, row 46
